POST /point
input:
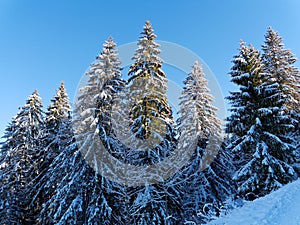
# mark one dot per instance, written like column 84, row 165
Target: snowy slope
column 281, row 207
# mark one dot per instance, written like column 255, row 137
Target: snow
column 281, row 207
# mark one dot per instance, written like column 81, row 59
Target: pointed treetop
column 109, row 43
column 195, row 82
column 195, row 74
column 34, row 98
column 246, row 64
column 197, row 68
column 199, row 78
column 272, row 38
column 107, row 63
column 148, row 50
column 108, row 49
column 243, row 45
column 271, row 31
column 196, row 64
column 246, row 49
column 59, row 109
column 148, row 31
column 34, row 95
column 62, row 92
column 61, row 87
column 198, row 71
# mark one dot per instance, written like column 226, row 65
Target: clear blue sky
column 45, row 42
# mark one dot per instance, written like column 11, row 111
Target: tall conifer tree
column 56, row 136
column 258, row 129
column 21, row 164
column 83, row 195
column 203, row 183
column 281, row 71
column 153, row 134
column 151, row 116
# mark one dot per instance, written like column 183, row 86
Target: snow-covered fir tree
column 151, row 116
column 8, row 205
column 151, row 134
column 56, row 135
column 196, row 104
column 202, row 183
column 83, row 194
column 58, row 130
column 58, row 111
column 258, row 129
column 21, row 164
column 280, row 70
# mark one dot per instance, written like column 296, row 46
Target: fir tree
column 58, row 111
column 280, row 70
column 196, row 104
column 84, row 195
column 258, row 129
column 21, row 163
column 58, row 130
column 150, row 114
column 151, row 135
column 203, row 183
column 55, row 137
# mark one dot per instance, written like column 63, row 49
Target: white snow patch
column 281, row 207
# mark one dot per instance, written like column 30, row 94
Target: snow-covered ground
column 281, row 207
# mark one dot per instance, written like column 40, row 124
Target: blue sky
column 45, row 42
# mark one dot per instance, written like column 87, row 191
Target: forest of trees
column 49, row 159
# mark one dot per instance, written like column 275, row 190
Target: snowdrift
column 281, row 207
